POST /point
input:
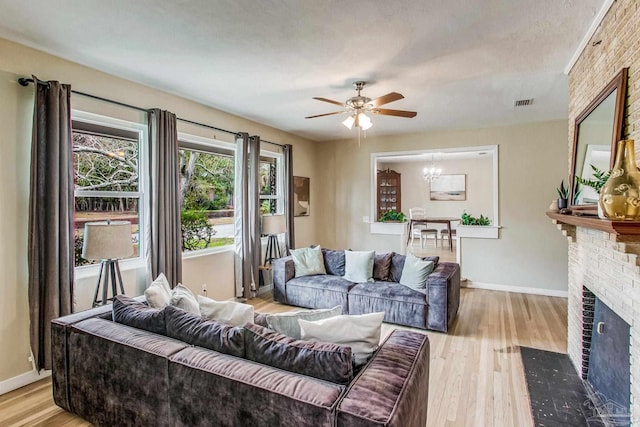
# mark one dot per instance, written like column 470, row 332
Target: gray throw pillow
column 333, row 262
column 382, row 266
column 287, row 323
column 415, row 272
column 138, row 315
column 195, row 330
column 330, row 362
column 308, row 261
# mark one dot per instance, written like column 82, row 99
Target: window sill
column 93, row 270
column 207, row 252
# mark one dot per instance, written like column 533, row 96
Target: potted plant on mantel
column 563, row 196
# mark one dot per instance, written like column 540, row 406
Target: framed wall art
column 301, row 196
column 448, row 188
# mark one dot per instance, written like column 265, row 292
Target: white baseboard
column 517, row 289
column 22, row 380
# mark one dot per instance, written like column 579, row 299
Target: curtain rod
column 25, row 82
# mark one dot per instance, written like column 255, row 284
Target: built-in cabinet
column 388, row 182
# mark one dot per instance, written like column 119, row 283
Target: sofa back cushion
column 287, row 323
column 397, row 264
column 329, row 362
column 193, row 329
column 130, row 312
column 333, row 262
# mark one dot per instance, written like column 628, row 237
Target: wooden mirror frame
column 618, row 83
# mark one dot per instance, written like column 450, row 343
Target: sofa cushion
column 325, row 361
column 308, row 261
column 328, row 282
column 287, row 323
column 333, row 262
column 229, row 312
column 358, row 266
column 195, row 330
column 183, row 298
column 382, row 266
column 130, row 312
column 397, row 264
column 390, row 291
column 360, row 332
column 415, row 272
column 158, row 294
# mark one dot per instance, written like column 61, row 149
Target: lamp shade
column 107, row 240
column 273, row 224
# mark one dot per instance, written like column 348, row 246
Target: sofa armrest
column 283, row 271
column 443, row 296
column 393, row 388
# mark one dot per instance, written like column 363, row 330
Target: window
column 108, row 185
column 270, row 184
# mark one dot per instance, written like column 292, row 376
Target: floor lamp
column 272, row 225
column 107, row 241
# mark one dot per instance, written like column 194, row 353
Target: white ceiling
column 459, row 63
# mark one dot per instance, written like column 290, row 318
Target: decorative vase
column 620, row 195
column 562, row 203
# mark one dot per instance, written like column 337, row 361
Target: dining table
column 434, row 220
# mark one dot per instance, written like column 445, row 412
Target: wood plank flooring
column 476, row 373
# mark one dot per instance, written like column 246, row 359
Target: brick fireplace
column 605, row 262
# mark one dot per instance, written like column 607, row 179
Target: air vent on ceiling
column 523, row 102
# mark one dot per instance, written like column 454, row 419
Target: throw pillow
column 397, row 264
column 333, row 262
column 360, row 332
column 325, row 361
column 158, row 294
column 132, row 313
column 415, row 272
column 183, row 298
column 195, row 330
column 287, row 323
column 358, row 266
column 230, row 312
column 382, row 266
column 308, row 261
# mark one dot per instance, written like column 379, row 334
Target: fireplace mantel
column 623, row 230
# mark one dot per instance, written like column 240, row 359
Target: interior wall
column 15, row 129
column 530, row 253
column 479, row 189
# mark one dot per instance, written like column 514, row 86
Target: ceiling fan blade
column 385, row 99
column 399, row 113
column 330, row 101
column 326, row 114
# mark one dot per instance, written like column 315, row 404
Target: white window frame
column 142, row 194
column 279, row 196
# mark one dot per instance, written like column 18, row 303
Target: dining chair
column 422, row 231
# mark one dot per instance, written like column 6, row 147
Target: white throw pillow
column 183, row 298
column 287, row 323
column 358, row 266
column 308, row 261
column 230, row 312
column 415, row 272
column 158, row 294
column 360, row 332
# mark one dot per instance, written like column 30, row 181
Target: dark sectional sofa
column 114, row 375
column 434, row 307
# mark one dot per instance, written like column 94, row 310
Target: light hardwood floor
column 476, row 374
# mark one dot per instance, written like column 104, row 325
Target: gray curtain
column 51, row 212
column 287, row 151
column 165, row 249
column 247, row 214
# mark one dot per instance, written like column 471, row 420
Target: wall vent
column 523, row 102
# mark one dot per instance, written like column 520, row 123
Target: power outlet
column 204, row 289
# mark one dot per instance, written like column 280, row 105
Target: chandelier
column 432, row 173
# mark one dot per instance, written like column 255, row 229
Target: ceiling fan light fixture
column 364, row 121
column 349, row 121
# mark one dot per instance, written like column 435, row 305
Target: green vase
column 620, row 195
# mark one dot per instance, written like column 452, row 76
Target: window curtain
column 287, row 151
column 165, row 248
column 51, row 215
column 247, row 214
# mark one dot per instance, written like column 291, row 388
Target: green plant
column 196, row 231
column 563, row 192
column 599, row 178
column 467, row 219
column 392, row 215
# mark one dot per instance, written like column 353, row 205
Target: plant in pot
column 467, row 219
column 563, row 195
column 600, row 177
column 393, row 216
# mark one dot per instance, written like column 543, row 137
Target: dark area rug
column 557, row 394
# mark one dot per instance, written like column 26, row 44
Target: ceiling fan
column 358, row 105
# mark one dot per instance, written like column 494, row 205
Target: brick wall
column 596, row 260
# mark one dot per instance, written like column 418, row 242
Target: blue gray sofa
column 113, row 374
column 434, row 307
